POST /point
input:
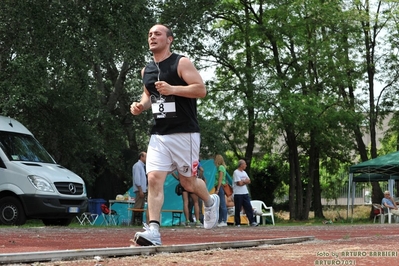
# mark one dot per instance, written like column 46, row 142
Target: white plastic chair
column 391, row 216
column 261, row 207
column 382, row 212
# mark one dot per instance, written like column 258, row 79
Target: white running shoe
column 222, row 224
column 149, row 237
column 211, row 216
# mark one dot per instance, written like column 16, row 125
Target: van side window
column 2, row 165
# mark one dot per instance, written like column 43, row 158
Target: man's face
column 387, row 195
column 157, row 39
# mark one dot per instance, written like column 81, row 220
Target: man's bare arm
column 188, row 72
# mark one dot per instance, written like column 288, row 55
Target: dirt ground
column 334, row 244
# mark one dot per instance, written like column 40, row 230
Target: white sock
column 154, row 226
column 209, row 202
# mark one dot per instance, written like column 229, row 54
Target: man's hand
column 136, row 108
column 164, row 88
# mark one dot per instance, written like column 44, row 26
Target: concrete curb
column 134, row 250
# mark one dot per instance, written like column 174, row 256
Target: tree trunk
column 296, row 192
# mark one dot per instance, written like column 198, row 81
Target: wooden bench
column 176, row 214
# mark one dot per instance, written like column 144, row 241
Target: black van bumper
column 43, row 206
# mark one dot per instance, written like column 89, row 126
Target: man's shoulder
column 137, row 163
column 177, row 58
column 175, row 55
column 384, row 200
column 149, row 64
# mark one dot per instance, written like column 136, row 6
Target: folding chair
column 109, row 217
column 87, row 217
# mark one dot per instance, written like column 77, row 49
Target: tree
column 373, row 19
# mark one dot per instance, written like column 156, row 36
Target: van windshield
column 22, row 147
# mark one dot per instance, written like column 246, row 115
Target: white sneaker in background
column 258, row 213
column 222, row 224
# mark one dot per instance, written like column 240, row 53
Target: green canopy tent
column 382, row 168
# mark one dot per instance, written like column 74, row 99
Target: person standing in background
column 200, row 203
column 187, row 209
column 220, row 179
column 172, row 85
column 139, row 187
column 241, row 194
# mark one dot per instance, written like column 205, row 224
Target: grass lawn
column 332, row 214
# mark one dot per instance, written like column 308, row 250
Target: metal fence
column 362, row 195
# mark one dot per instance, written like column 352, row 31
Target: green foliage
column 70, row 77
column 390, row 141
column 268, row 176
column 212, row 138
column 331, row 182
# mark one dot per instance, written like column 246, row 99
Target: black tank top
column 184, row 119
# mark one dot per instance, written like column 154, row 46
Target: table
column 176, row 214
column 129, row 203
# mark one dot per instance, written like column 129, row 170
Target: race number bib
column 163, row 107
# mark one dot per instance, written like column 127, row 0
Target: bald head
column 242, row 164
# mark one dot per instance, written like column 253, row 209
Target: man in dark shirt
column 171, row 86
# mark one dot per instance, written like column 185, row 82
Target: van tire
column 57, row 222
column 11, row 211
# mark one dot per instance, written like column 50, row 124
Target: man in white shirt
column 241, row 194
column 389, row 202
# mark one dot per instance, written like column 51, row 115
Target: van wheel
column 11, row 211
column 59, row 222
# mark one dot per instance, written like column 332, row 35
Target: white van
column 32, row 184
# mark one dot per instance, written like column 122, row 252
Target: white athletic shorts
column 178, row 151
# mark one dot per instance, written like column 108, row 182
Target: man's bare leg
column 211, row 202
column 196, row 186
column 151, row 235
column 155, row 200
